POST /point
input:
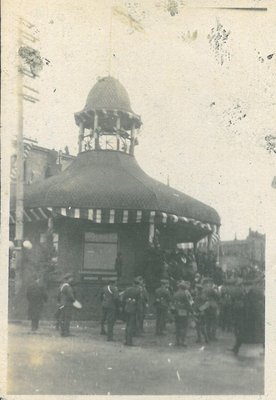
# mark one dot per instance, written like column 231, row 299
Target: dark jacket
column 131, row 298
column 252, row 317
column 36, row 295
column 110, row 297
column 66, row 296
column 181, row 304
column 162, row 297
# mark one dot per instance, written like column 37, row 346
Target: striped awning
column 110, row 216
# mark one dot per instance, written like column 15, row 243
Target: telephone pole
column 26, row 66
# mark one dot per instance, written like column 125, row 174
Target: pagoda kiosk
column 104, row 203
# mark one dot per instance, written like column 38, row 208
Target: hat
column 112, row 280
column 164, row 281
column 183, row 284
column 68, row 276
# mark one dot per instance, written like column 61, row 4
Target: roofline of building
column 47, row 150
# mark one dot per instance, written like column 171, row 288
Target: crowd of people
column 188, row 290
column 238, row 308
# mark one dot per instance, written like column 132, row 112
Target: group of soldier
column 200, row 301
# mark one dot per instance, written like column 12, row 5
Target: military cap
column 164, row 281
column 112, row 279
column 183, row 284
column 68, row 276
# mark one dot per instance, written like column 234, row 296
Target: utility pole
column 19, row 171
column 28, row 70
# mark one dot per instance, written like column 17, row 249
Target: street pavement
column 85, row 364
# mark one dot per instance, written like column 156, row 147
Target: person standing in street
column 212, row 312
column 249, row 314
column 131, row 298
column 66, row 298
column 36, row 296
column 181, row 308
column 110, row 305
column 162, row 303
column 141, row 307
column 200, row 306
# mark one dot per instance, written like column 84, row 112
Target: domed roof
column 111, row 180
column 108, row 93
column 107, row 96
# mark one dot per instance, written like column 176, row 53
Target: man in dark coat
column 181, row 308
column 200, row 306
column 36, row 296
column 110, row 305
column 66, row 298
column 141, row 307
column 249, row 317
column 212, row 312
column 131, row 298
column 162, row 303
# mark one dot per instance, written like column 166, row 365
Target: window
column 100, row 251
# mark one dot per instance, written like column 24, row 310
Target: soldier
column 249, row 311
column 141, row 307
column 162, row 303
column 131, row 298
column 212, row 311
column 181, row 308
column 200, row 306
column 66, row 298
column 110, row 304
column 36, row 296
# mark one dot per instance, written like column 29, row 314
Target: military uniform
column 141, row 308
column 200, row 306
column 66, row 298
column 110, row 304
column 249, row 312
column 181, row 309
column 36, row 296
column 131, row 297
column 162, row 303
column 212, row 312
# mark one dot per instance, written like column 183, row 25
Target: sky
column 204, row 120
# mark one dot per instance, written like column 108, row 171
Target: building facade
column 237, row 254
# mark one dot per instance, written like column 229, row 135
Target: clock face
column 108, row 142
